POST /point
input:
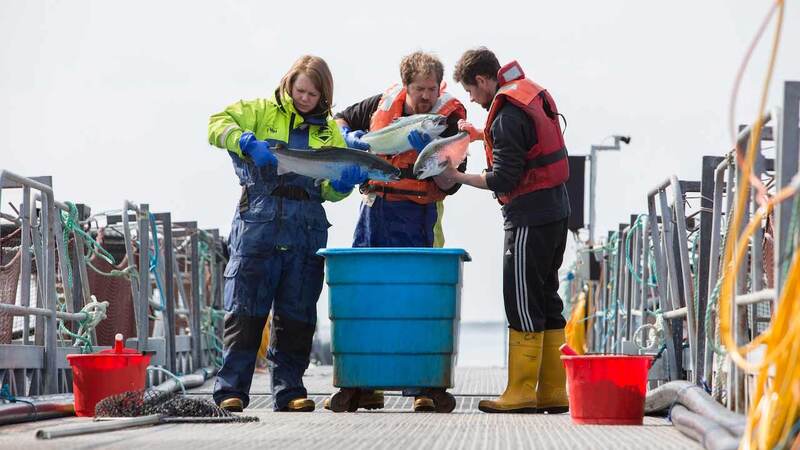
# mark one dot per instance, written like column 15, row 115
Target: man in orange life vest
column 408, row 212
column 527, row 168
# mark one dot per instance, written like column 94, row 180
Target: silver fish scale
column 328, row 163
column 393, row 139
column 435, row 156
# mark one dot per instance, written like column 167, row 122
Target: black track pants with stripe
column 532, row 256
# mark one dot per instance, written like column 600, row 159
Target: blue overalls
column 278, row 227
column 395, row 224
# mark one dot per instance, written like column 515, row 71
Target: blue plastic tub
column 394, row 316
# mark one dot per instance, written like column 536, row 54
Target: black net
column 146, row 402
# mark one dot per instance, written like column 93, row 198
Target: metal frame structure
column 38, row 366
column 621, row 298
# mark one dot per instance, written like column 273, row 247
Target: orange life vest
column 546, row 163
column 408, row 187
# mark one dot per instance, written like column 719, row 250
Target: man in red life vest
column 407, row 212
column 527, row 167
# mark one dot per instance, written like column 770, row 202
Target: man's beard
column 423, row 108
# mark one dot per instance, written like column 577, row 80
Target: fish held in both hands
column 393, row 139
column 328, row 163
column 440, row 153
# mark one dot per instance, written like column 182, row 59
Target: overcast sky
column 112, row 98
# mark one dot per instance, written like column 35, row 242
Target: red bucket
column 607, row 389
column 99, row 375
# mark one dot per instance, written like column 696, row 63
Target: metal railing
column 664, row 267
column 38, row 366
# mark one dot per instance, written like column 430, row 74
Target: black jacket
column 512, row 134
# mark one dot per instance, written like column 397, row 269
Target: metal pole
column 131, row 259
column 51, row 327
column 662, row 289
column 143, row 304
column 645, row 273
column 84, row 277
column 169, row 288
column 25, row 217
column 592, row 184
column 707, row 191
column 688, row 289
column 197, row 343
column 786, row 166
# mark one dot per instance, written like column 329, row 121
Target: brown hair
column 478, row 61
column 420, row 63
column 317, row 70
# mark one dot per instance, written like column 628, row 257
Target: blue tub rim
column 395, row 251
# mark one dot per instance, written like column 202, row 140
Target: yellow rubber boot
column 262, row 349
column 524, row 359
column 551, row 392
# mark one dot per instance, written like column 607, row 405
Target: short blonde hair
column 317, row 70
column 420, row 63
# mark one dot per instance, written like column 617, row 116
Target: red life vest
column 409, row 188
column 546, row 163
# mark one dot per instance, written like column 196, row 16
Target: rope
column 154, row 259
column 94, row 313
column 655, row 336
column 639, row 224
column 175, row 377
column 70, row 224
column 5, row 394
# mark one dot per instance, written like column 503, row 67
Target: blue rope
column 154, row 258
column 5, row 394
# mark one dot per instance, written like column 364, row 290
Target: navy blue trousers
column 288, row 281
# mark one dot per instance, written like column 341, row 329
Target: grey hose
column 187, row 381
column 695, row 399
column 37, row 408
column 709, row 433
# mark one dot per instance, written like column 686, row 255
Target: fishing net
column 9, row 279
column 147, row 402
column 116, row 290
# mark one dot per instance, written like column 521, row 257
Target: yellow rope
column 776, row 400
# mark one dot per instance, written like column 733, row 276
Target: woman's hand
column 351, row 176
column 257, row 150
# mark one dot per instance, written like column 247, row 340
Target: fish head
column 430, row 168
column 433, row 125
column 392, row 174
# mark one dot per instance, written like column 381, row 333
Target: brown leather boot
column 299, row 405
column 233, row 404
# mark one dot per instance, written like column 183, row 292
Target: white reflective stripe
column 521, row 287
column 506, row 87
column 517, row 279
column 389, row 96
column 441, row 102
column 513, row 73
column 224, row 136
column 525, row 280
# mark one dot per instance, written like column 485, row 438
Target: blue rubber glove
column 351, row 176
column 257, row 150
column 353, row 138
column 418, row 140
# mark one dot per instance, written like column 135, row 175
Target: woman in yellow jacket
column 277, row 229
